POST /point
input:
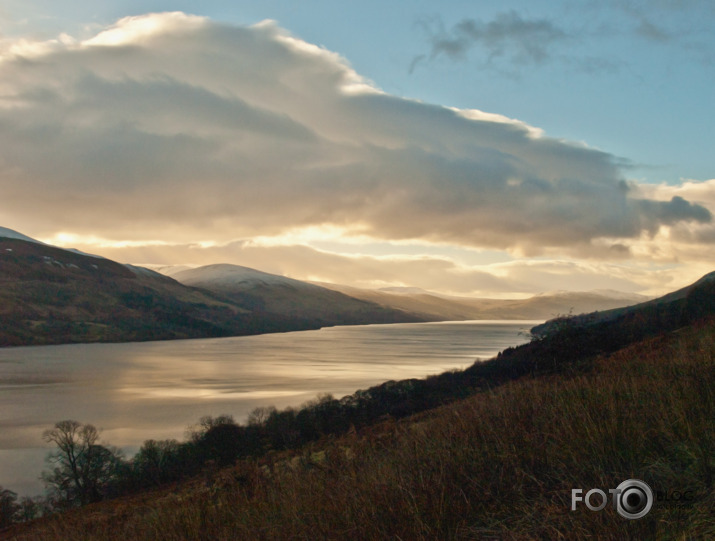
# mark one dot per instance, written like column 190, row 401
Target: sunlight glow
column 66, row 240
column 132, row 29
column 309, row 234
column 482, row 116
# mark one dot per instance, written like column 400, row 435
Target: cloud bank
column 176, row 127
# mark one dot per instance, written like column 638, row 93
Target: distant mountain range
column 50, row 295
column 434, row 307
column 299, row 304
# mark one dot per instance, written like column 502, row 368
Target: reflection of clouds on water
column 154, row 390
column 209, row 393
column 29, row 381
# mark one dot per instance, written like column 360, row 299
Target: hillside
column 496, row 455
column 668, row 311
column 12, row 234
column 306, row 305
column 49, row 295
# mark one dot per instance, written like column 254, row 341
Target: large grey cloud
column 169, row 126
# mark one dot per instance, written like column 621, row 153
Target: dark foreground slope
column 499, row 463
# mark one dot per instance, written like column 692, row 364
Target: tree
column 8, row 507
column 206, row 423
column 158, row 462
column 260, row 415
column 29, row 508
column 82, row 467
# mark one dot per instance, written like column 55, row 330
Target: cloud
column 679, row 22
column 508, row 36
column 176, row 127
column 510, row 41
column 441, row 273
column 685, row 240
column 523, row 41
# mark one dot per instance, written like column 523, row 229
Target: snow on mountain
column 11, row 234
column 235, row 276
column 302, row 303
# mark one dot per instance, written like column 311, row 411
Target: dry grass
column 499, row 465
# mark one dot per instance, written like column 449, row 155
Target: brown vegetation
column 497, row 465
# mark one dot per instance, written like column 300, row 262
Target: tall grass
column 498, row 465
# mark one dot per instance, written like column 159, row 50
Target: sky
column 496, row 149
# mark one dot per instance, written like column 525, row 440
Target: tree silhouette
column 82, row 467
column 8, row 507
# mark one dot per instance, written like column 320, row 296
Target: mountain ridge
column 435, row 307
column 52, row 295
column 307, row 303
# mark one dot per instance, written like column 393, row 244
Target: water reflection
column 139, row 391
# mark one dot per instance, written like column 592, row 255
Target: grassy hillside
column 499, row 464
column 50, row 296
column 667, row 311
column 54, row 296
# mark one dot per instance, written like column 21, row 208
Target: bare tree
column 82, row 467
column 206, row 423
column 260, row 415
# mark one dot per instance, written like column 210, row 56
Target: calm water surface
column 138, row 391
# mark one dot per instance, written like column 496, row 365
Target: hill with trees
column 493, row 451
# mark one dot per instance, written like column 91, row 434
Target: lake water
column 155, row 390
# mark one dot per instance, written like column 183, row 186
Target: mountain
column 666, row 312
column 11, row 234
column 49, row 295
column 297, row 303
column 434, row 307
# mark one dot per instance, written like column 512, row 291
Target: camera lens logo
column 634, row 499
